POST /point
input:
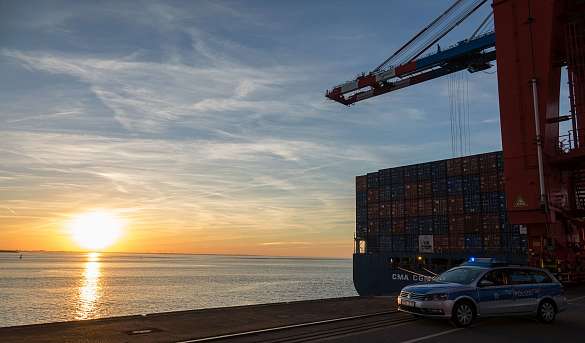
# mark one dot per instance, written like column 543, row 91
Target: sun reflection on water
column 90, row 287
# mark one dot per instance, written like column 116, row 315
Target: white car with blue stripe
column 483, row 288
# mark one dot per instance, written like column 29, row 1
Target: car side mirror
column 486, row 283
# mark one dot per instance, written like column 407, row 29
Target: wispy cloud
column 149, row 97
column 490, row 120
column 45, row 116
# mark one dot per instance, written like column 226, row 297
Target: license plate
column 408, row 303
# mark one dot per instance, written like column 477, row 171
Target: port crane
column 544, row 171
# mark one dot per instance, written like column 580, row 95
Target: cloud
column 491, row 120
column 228, row 186
column 150, row 97
column 45, row 116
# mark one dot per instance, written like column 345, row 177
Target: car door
column 495, row 293
column 525, row 290
column 545, row 287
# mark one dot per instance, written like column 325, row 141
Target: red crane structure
column 544, row 171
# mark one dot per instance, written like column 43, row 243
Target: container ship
column 417, row 220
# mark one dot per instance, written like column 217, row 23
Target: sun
column 96, row 230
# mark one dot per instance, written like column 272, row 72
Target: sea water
column 49, row 287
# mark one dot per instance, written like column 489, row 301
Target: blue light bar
column 482, row 262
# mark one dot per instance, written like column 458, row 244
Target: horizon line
column 167, row 253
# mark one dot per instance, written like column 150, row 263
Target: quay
column 341, row 320
column 189, row 325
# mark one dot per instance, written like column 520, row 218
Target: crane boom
column 473, row 54
column 405, row 67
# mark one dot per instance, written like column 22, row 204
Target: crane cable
column 392, row 59
column 460, row 117
column 468, row 113
column 432, row 33
column 484, row 24
column 459, row 114
column 448, row 28
column 451, row 117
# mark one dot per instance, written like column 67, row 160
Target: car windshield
column 462, row 276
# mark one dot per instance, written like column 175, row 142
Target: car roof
column 515, row 267
column 471, row 267
column 520, row 267
column 484, row 267
column 491, row 263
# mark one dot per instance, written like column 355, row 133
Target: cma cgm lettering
column 429, row 236
column 413, row 277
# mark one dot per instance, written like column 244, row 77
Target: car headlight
column 435, row 297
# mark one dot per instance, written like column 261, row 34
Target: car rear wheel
column 547, row 311
column 463, row 314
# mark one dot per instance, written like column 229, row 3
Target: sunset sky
column 203, row 125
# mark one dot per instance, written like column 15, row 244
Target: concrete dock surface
column 188, row 325
column 354, row 319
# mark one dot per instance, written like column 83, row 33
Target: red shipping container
column 411, row 207
column 456, row 225
column 398, row 226
column 440, row 243
column 489, row 183
column 501, row 183
column 389, row 209
column 470, row 165
column 425, row 189
column 472, row 223
column 488, row 164
column 411, row 191
column 440, row 207
column 425, row 207
column 373, row 212
column 397, row 210
column 454, row 167
column 455, row 205
column 373, row 195
column 491, row 241
column 385, row 210
column 361, row 183
column 491, row 224
column 441, row 240
column 456, row 242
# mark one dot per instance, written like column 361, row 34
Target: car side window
column 540, row 277
column 497, row 277
column 521, row 277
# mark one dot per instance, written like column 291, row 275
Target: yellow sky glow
column 176, row 232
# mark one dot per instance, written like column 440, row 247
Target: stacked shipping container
column 444, row 207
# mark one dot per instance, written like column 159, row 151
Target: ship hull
column 373, row 275
column 377, row 274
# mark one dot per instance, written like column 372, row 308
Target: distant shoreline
column 173, row 253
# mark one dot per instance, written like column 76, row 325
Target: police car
column 483, row 287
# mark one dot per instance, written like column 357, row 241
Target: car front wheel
column 547, row 311
column 463, row 314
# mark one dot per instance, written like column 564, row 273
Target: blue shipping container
column 454, row 185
